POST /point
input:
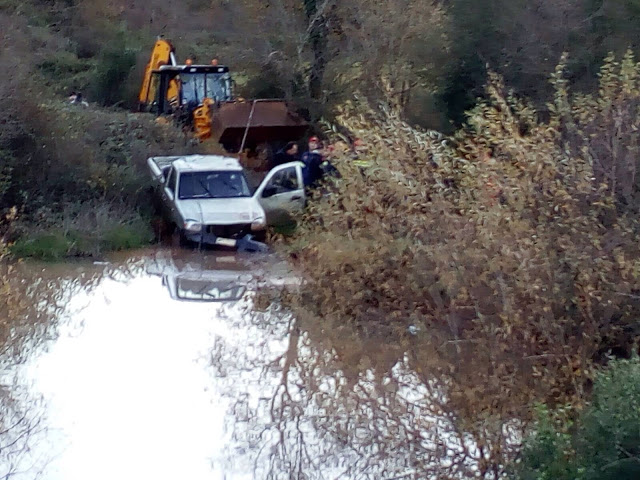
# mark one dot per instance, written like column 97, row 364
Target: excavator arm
column 163, row 53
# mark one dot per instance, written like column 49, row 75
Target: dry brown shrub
column 508, row 245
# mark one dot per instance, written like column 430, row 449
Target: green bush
column 115, row 62
column 65, row 72
column 548, row 453
column 609, row 440
column 605, row 444
column 124, row 237
column 6, row 162
column 45, row 246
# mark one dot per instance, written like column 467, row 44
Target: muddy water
column 162, row 366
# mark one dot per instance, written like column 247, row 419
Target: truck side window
column 171, row 180
column 285, row 180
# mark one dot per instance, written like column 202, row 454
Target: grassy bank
column 73, row 180
column 81, row 230
column 56, row 245
column 78, row 184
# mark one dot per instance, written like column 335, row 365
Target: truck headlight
column 192, row 226
column 259, row 223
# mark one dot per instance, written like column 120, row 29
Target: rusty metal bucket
column 239, row 125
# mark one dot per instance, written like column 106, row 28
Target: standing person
column 312, row 160
column 289, row 153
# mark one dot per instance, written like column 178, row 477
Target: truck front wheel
column 178, row 238
column 260, row 235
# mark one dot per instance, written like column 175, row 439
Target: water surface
column 161, row 366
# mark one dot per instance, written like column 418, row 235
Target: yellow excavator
column 201, row 98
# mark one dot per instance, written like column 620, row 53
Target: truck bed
column 157, row 164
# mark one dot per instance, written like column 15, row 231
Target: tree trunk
column 318, row 33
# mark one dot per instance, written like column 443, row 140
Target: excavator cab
column 173, row 87
column 206, row 82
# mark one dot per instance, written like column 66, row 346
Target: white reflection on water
column 127, row 386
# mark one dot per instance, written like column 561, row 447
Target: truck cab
column 209, row 200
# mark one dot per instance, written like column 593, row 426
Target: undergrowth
column 508, row 249
column 73, row 229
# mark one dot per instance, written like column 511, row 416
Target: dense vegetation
column 510, row 248
column 502, row 256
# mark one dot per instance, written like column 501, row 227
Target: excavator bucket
column 245, row 125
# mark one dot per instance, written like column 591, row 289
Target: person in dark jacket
column 287, row 154
column 312, row 159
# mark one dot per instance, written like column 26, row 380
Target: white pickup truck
column 215, row 278
column 207, row 198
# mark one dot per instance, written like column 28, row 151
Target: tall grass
column 80, row 230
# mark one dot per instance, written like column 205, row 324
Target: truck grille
column 230, row 231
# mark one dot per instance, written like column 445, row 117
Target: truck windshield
column 197, row 86
column 213, row 185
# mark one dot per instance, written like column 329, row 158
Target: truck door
column 281, row 193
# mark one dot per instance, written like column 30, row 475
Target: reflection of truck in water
column 207, row 286
column 215, row 278
column 207, row 198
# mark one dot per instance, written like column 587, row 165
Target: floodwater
column 166, row 365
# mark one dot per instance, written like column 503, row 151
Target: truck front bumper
column 242, row 243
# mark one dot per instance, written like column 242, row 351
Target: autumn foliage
column 510, row 247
